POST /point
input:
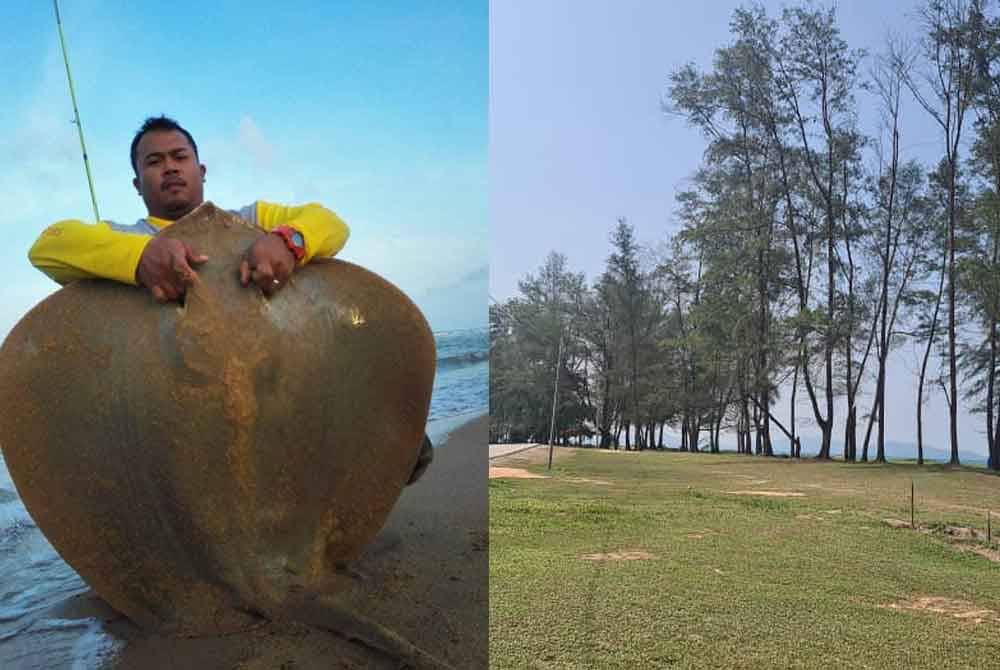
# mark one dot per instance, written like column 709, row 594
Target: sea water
column 461, row 386
column 34, row 579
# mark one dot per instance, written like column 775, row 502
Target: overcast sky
column 578, row 138
column 376, row 110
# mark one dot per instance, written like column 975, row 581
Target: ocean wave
column 15, row 531
column 466, row 358
column 458, row 343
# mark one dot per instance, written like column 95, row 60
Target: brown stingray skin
column 201, row 465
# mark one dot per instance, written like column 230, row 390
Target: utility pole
column 555, row 396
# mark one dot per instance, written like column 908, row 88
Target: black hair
column 160, row 123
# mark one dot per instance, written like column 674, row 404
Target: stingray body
column 201, row 465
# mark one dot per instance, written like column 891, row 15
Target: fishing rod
column 76, row 112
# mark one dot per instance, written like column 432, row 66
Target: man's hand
column 268, row 263
column 165, row 268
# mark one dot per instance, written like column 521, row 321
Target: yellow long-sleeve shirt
column 71, row 249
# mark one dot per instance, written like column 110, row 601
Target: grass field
column 717, row 579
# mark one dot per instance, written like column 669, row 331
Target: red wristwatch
column 293, row 240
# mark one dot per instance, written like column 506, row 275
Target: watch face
column 298, row 240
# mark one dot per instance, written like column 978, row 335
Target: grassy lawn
column 730, row 580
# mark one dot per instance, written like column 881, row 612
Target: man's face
column 170, row 177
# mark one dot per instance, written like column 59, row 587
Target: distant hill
column 896, row 451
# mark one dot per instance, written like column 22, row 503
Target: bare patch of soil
column 964, row 538
column 986, row 552
column 961, row 538
column 513, row 473
column 701, row 534
column 896, row 523
column 957, row 609
column 584, row 480
column 752, row 480
column 964, row 533
column 835, row 489
column 769, row 494
column 620, row 556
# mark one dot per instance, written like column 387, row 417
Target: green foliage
column 525, row 335
column 807, row 250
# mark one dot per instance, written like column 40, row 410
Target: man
column 170, row 178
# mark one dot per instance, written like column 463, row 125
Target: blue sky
column 376, row 110
column 578, row 138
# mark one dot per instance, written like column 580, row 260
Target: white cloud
column 417, row 263
column 251, row 139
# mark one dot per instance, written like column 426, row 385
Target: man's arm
column 323, row 231
column 70, row 249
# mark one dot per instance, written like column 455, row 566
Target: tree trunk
column 883, row 326
column 993, row 432
column 992, row 428
column 827, row 426
column 952, row 369
column 791, row 409
column 746, row 426
column 695, row 431
column 923, row 366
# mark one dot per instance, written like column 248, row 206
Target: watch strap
column 293, row 240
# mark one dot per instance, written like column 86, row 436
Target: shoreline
column 441, row 430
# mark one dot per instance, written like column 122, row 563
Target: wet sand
column 425, row 578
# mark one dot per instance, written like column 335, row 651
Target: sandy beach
column 424, row 578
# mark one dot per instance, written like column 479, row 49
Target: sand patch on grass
column 964, row 533
column 896, row 523
column 769, row 494
column 985, row 552
column 957, row 609
column 619, row 556
column 513, row 473
column 834, row 488
column 752, row 480
column 969, row 539
column 961, row 538
column 700, row 535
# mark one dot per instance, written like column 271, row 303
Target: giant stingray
column 210, row 465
